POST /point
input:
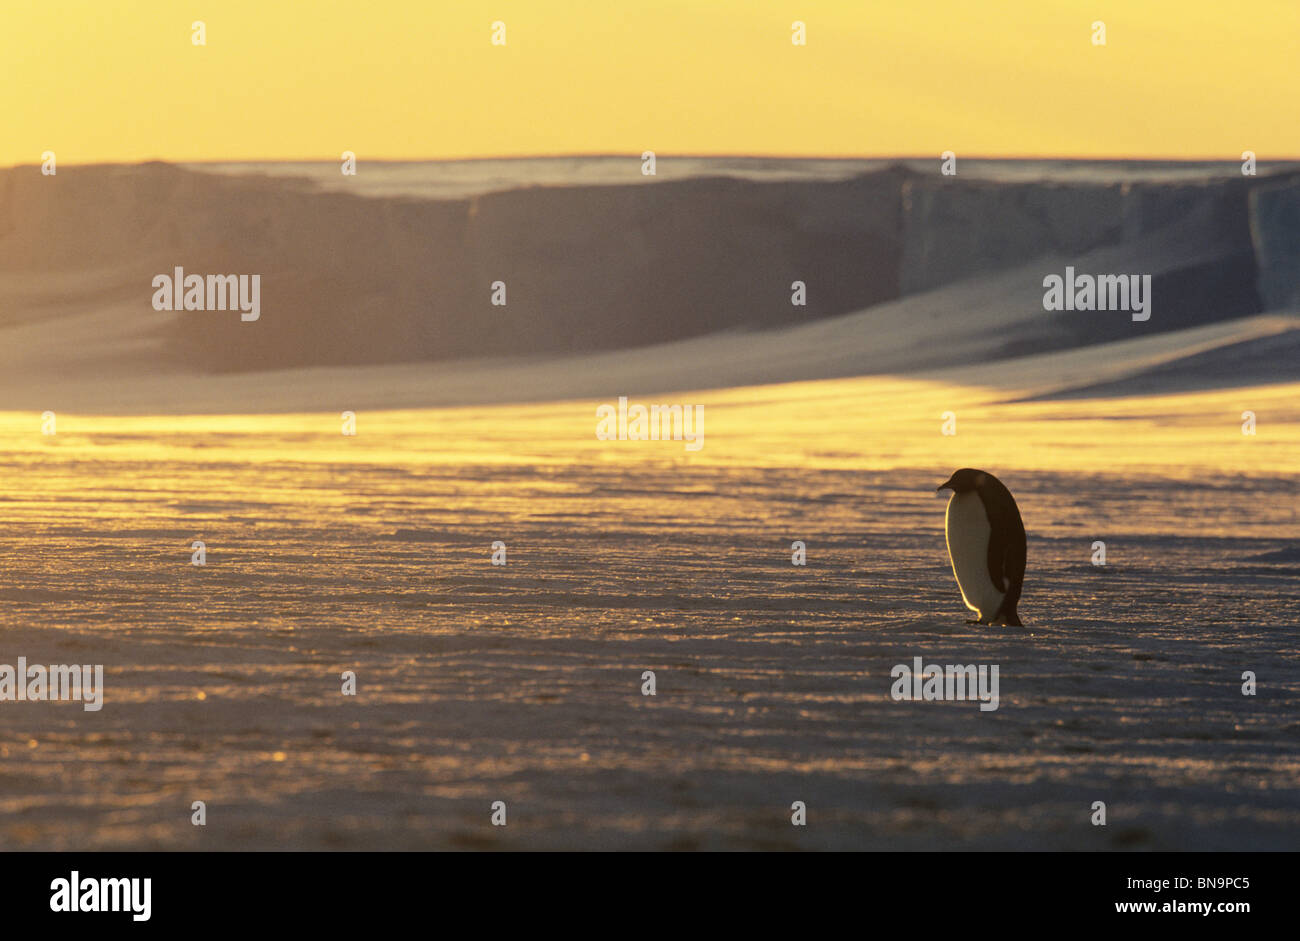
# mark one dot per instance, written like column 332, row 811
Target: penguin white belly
column 968, row 531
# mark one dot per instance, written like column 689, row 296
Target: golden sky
column 409, row 79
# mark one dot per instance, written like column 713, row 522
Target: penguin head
column 964, row 481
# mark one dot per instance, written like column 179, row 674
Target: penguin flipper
column 999, row 546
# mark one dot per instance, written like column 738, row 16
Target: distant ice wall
column 347, row 279
column 954, row 230
column 1275, row 234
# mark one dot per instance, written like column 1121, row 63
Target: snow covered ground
column 522, row 682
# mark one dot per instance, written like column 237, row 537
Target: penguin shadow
column 1017, row 631
column 977, row 628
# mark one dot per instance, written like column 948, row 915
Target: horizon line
column 607, row 155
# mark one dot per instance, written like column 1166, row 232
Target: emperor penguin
column 986, row 543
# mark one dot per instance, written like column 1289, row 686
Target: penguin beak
column 946, row 485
